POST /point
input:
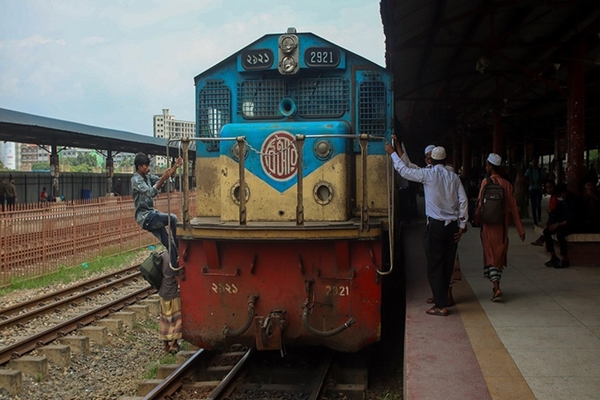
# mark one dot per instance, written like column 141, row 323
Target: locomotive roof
column 266, row 38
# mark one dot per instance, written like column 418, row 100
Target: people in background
column 550, row 186
column 118, row 187
column 535, row 177
column 591, row 208
column 2, row 193
column 494, row 237
column 563, row 222
column 521, row 189
column 11, row 194
column 44, row 195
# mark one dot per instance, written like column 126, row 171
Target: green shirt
column 11, row 190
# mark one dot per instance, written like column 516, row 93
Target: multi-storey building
column 166, row 126
column 31, row 154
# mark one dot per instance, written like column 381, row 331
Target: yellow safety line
column 503, row 378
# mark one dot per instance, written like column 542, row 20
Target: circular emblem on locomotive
column 279, row 158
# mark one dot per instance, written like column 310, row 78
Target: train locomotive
column 293, row 229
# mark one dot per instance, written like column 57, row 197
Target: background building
column 31, row 154
column 166, row 126
column 8, row 154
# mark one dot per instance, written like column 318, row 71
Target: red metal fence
column 37, row 239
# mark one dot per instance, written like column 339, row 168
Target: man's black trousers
column 440, row 250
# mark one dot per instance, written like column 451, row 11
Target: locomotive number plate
column 322, row 57
column 337, row 290
column 223, row 288
column 257, row 59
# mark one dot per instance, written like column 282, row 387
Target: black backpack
column 151, row 269
column 492, row 203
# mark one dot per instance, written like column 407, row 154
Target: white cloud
column 94, row 40
column 29, row 42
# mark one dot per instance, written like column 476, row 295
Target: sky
column 117, row 63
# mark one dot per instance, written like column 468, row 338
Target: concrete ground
column 542, row 342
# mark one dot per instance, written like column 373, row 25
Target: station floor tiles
column 541, row 342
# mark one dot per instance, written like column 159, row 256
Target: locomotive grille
column 372, row 107
column 319, row 97
column 214, row 109
column 260, row 98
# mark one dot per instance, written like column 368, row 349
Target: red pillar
column 497, row 134
column 466, row 165
column 455, row 150
column 576, row 119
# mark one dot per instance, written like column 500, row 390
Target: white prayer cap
column 438, row 153
column 429, row 148
column 495, row 159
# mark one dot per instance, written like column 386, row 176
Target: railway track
column 72, row 296
column 246, row 374
column 123, row 293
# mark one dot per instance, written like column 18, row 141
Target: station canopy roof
column 456, row 63
column 20, row 127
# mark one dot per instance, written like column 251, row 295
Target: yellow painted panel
column 334, row 172
column 268, row 204
column 208, row 187
column 377, row 183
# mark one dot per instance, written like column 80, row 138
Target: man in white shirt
column 446, row 207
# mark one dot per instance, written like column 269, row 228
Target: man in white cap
column 428, row 151
column 494, row 236
column 401, row 150
column 446, row 207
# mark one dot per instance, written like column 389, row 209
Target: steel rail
column 75, row 299
column 15, row 308
column 230, row 376
column 313, row 386
column 187, row 370
column 47, row 336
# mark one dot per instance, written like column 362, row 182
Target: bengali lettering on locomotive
column 279, row 157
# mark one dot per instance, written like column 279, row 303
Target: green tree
column 40, row 166
column 2, row 166
column 127, row 161
column 87, row 159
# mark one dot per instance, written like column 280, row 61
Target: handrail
column 364, row 208
column 391, row 218
column 241, row 141
column 300, row 186
column 185, row 212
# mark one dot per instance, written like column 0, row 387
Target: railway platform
column 542, row 342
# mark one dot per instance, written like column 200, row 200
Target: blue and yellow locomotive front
column 293, row 198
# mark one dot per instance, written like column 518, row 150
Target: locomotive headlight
column 288, row 64
column 288, row 43
column 323, row 193
column 323, row 149
column 288, row 52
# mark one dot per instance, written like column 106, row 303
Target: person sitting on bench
column 562, row 223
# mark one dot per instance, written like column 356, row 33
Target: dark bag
column 151, row 269
column 492, row 203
